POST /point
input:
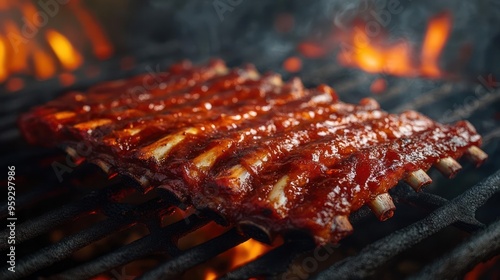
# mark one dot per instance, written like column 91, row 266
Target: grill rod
column 478, row 248
column 158, row 241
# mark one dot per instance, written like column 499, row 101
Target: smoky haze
column 242, row 30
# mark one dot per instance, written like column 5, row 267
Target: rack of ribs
column 260, row 152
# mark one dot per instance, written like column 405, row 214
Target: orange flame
column 40, row 50
column 239, row 255
column 3, row 57
column 102, row 47
column 374, row 55
column 67, row 55
column 248, row 251
column 438, row 31
column 211, row 275
column 18, row 62
column 44, row 64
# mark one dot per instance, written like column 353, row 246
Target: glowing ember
column 311, row 50
column 378, row 86
column 292, row 64
column 376, row 55
column 67, row 79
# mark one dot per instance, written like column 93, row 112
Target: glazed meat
column 258, row 151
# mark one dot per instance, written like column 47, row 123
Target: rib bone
column 161, row 148
column 341, row 225
column 277, row 195
column 103, row 165
column 448, row 167
column 92, row 124
column 476, row 155
column 418, row 179
column 382, row 206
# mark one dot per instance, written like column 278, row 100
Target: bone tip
column 382, row 206
column 276, row 80
column 256, row 231
column 77, row 159
column 251, row 72
column 470, row 126
column 369, row 103
column 219, row 65
column 418, row 179
column 104, row 166
column 71, row 152
column 341, row 224
column 476, row 155
column 448, row 166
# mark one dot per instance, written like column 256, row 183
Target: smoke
column 243, row 30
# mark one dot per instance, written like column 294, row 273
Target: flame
column 375, row 58
column 211, row 275
column 68, row 56
column 18, row 62
column 102, row 47
column 224, row 262
column 31, row 45
column 438, row 32
column 4, row 5
column 44, row 64
column 376, row 55
column 3, row 58
column 29, row 11
column 248, row 251
column 239, row 255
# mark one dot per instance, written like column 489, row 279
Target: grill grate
column 460, row 209
column 459, row 212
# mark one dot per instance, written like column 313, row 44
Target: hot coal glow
column 378, row 55
column 38, row 41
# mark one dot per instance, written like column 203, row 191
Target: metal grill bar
column 64, row 248
column 430, row 202
column 123, row 216
column 478, row 248
column 158, row 241
column 485, row 100
column 376, row 254
column 199, row 254
column 56, row 217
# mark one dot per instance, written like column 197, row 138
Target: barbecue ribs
column 256, row 150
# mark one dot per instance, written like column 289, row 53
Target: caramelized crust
column 255, row 149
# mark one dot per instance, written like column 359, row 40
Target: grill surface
column 426, row 214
